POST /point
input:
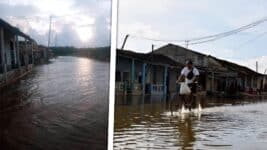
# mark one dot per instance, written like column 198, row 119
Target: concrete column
column 18, row 51
column 2, row 47
column 26, row 56
column 252, row 82
column 32, row 45
column 144, row 78
column 15, row 51
column 226, row 83
column 246, row 81
column 132, row 73
column 212, row 81
column 264, row 82
column 165, row 79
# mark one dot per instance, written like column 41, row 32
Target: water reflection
column 57, row 106
column 147, row 124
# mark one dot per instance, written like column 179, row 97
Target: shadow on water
column 57, row 106
column 148, row 123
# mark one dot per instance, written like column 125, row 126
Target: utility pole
column 186, row 43
column 257, row 66
column 152, row 50
column 56, row 40
column 49, row 32
column 124, row 42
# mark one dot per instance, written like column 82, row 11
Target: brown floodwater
column 149, row 123
column 61, row 105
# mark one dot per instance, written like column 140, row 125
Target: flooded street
column 149, row 124
column 61, row 105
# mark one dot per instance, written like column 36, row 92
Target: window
column 118, row 76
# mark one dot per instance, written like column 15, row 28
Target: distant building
column 42, row 54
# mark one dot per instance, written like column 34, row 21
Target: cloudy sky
column 80, row 23
column 186, row 19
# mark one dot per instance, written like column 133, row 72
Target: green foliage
column 99, row 53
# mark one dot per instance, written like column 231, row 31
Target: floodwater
column 61, row 105
column 147, row 123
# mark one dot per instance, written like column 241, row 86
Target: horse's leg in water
column 198, row 100
column 190, row 101
column 173, row 104
column 180, row 101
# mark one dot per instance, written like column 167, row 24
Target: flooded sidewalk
column 150, row 124
column 57, row 106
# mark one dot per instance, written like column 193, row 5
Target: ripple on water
column 225, row 127
column 60, row 107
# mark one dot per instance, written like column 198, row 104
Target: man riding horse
column 190, row 75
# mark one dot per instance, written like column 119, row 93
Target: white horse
column 181, row 102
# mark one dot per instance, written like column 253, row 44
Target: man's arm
column 195, row 79
column 180, row 78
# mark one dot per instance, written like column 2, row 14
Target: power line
column 235, row 31
column 209, row 38
column 156, row 40
column 252, row 40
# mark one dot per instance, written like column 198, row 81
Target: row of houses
column 18, row 53
column 156, row 73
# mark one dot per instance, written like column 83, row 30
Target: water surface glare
column 61, row 105
column 152, row 125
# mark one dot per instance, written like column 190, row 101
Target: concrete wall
column 159, row 76
column 173, row 73
column 7, row 38
column 125, row 65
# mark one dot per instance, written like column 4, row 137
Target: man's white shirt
column 185, row 72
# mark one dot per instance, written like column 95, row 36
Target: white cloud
column 140, row 29
column 227, row 53
column 186, row 19
column 87, row 19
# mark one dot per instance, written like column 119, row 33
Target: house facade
column 16, row 57
column 141, row 74
column 216, row 75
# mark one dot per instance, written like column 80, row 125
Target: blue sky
column 185, row 19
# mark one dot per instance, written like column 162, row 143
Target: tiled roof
column 149, row 57
column 230, row 65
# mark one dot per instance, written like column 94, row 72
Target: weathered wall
column 7, row 38
column 173, row 73
column 125, row 65
column 159, row 76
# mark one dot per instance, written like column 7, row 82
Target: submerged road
column 150, row 124
column 61, row 105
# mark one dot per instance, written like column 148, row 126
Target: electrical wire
column 209, row 38
column 252, row 40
